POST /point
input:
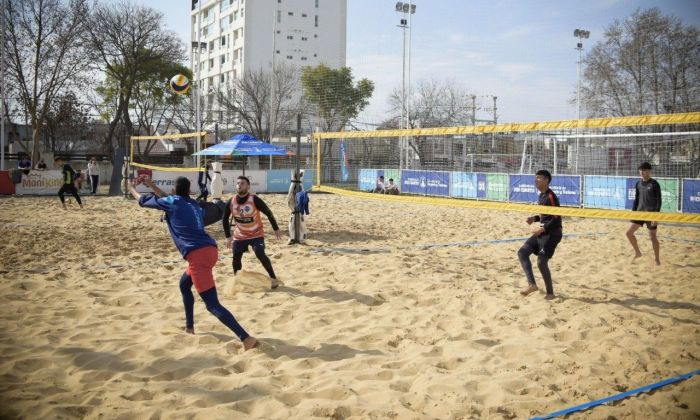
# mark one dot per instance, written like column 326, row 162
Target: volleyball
column 180, row 84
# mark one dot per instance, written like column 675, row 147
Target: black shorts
column 544, row 244
column 258, row 244
column 642, row 223
column 68, row 188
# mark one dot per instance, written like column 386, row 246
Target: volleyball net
column 593, row 162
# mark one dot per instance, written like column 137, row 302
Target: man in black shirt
column 245, row 207
column 544, row 240
column 647, row 197
column 68, row 186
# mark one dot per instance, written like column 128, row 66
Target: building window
column 317, row 4
column 315, row 55
column 279, row 1
column 290, row 13
column 223, row 59
column 303, row 15
column 279, row 32
column 278, row 51
column 222, row 78
column 223, row 41
column 211, row 63
column 303, row 38
column 279, row 16
column 316, row 21
column 290, row 37
column 235, row 15
column 289, row 57
column 303, row 58
column 242, row 14
column 211, row 45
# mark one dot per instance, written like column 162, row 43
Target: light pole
column 581, row 34
column 405, row 9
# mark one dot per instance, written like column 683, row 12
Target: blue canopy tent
column 244, row 145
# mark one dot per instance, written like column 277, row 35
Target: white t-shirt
column 92, row 169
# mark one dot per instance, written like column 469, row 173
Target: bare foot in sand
column 529, row 289
column 189, row 330
column 250, row 343
column 658, row 262
column 637, row 255
column 549, row 297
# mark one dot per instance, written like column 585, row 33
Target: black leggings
column 69, row 188
column 211, row 300
column 260, row 254
column 542, row 263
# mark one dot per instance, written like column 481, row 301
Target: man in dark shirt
column 68, row 184
column 544, row 240
column 647, row 197
column 245, row 207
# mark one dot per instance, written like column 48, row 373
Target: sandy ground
column 368, row 324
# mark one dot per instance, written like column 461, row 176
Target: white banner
column 40, row 183
column 166, row 181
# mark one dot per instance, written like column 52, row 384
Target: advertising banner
column 464, row 185
column 566, row 187
column 425, row 182
column 605, row 192
column 691, row 195
column 367, row 180
column 497, row 187
column 40, row 183
column 165, row 180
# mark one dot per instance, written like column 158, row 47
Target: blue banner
column 278, row 180
column 481, row 186
column 367, row 180
column 605, row 192
column 343, row 162
column 691, row 195
column 566, row 187
column 425, row 183
column 464, row 185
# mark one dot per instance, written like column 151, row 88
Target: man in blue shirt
column 185, row 220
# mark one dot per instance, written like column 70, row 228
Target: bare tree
column 67, row 123
column 647, row 64
column 433, row 103
column 261, row 100
column 45, row 53
column 129, row 44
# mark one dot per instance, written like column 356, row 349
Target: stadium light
column 581, row 34
column 410, row 9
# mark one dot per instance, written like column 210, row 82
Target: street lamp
column 581, row 34
column 405, row 22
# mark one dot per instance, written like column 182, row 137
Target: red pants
column 200, row 264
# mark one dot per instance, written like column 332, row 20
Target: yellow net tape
column 524, row 208
column 639, row 120
column 166, row 168
column 171, row 136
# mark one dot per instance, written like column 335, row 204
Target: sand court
column 390, row 310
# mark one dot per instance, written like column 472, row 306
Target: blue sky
column 519, row 50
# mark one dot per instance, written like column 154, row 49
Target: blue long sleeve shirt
column 185, row 221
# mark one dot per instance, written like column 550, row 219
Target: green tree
column 333, row 96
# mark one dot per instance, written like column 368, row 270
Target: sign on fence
column 566, row 187
column 425, row 182
column 691, row 195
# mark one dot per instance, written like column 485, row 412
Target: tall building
column 247, row 35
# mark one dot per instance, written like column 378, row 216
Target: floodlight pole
column 580, row 34
column 404, row 120
column 195, row 85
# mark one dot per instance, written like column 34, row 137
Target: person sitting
column 391, row 188
column 41, row 165
column 25, row 164
column 379, row 188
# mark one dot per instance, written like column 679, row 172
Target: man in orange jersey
column 245, row 207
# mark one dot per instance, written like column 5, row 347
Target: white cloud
column 456, row 38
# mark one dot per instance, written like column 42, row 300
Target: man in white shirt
column 380, row 185
column 391, row 188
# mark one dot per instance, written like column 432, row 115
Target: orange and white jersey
column 247, row 217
